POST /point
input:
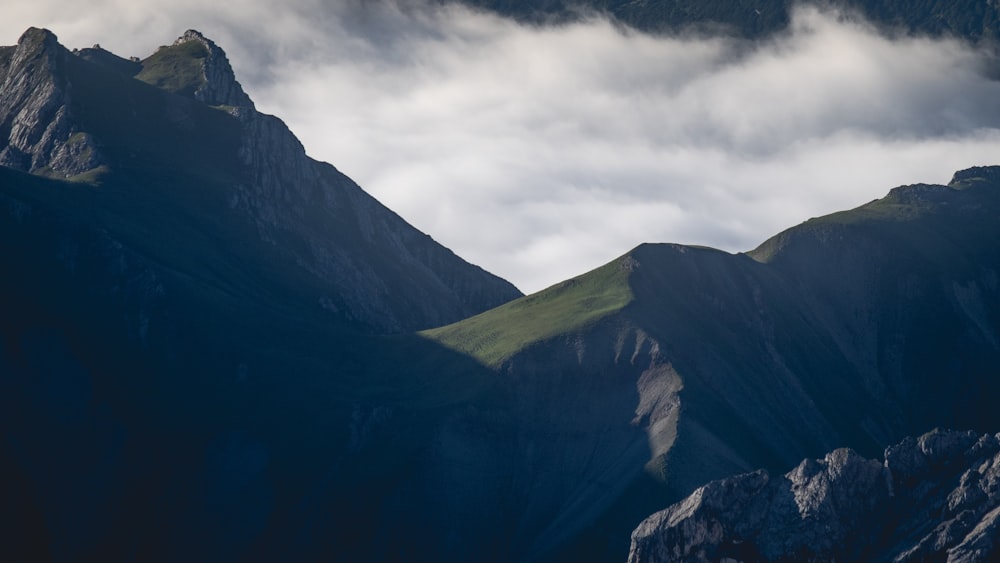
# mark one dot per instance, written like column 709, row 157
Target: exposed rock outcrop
column 936, row 497
column 38, row 132
column 219, row 85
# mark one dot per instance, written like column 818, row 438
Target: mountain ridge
column 831, row 333
column 977, row 22
column 253, row 163
column 207, row 326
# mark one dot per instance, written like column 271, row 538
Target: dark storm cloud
column 539, row 153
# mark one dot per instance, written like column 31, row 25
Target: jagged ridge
column 932, row 498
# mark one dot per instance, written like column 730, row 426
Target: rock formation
column 218, row 81
column 38, row 132
column 933, row 498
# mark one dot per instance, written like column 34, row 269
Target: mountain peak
column 38, row 36
column 37, row 131
column 193, row 35
column 980, row 173
column 194, row 66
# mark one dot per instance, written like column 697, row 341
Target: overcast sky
column 541, row 153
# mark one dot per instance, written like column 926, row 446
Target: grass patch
column 178, row 68
column 94, row 176
column 904, row 204
column 498, row 334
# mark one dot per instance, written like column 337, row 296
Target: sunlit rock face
column 37, row 127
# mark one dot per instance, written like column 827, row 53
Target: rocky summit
column 932, row 498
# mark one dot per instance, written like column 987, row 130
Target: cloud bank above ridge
column 539, row 153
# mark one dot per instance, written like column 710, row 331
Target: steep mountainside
column 673, row 365
column 195, row 145
column 193, row 358
column 974, row 20
column 932, row 499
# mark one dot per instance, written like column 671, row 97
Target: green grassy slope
column 568, row 307
column 177, row 68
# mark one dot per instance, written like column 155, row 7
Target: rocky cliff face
column 38, row 132
column 933, row 498
column 218, row 85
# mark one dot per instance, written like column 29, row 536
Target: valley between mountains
column 213, row 347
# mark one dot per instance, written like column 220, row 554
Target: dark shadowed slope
column 190, row 308
column 675, row 365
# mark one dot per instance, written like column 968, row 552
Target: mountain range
column 970, row 19
column 216, row 348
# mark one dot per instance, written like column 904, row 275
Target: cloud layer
column 540, row 153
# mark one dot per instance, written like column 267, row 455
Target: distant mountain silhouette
column 968, row 19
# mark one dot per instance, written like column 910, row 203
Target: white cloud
column 539, row 153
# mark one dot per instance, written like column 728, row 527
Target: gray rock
column 220, row 87
column 38, row 133
column 934, row 498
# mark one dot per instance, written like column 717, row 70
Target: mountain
column 969, row 19
column 204, row 334
column 208, row 345
column 177, row 129
column 933, row 498
column 673, row 365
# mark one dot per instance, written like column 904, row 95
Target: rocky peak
column 38, row 39
column 37, row 131
column 988, row 173
column 219, row 86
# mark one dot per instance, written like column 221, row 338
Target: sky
column 540, row 153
